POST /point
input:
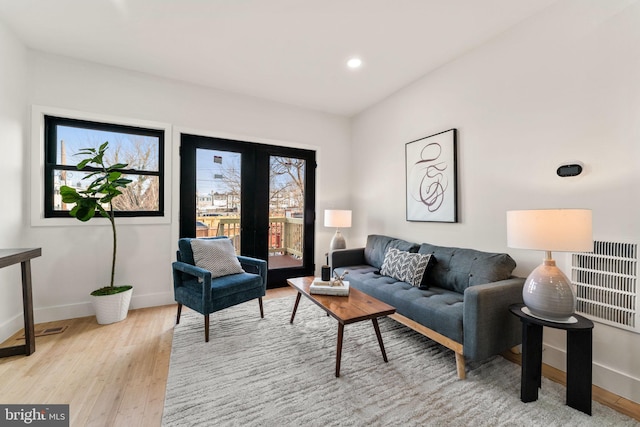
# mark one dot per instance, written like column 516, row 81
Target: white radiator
column 606, row 283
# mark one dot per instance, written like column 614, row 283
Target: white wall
column 561, row 86
column 13, row 175
column 71, row 266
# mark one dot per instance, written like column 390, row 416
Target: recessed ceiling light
column 354, row 63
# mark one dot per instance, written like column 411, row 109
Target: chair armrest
column 191, row 270
column 346, row 257
column 204, row 276
column 489, row 327
column 258, row 266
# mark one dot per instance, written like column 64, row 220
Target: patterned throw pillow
column 405, row 266
column 216, row 255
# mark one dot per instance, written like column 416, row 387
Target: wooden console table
column 23, row 256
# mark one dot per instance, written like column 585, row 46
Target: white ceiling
column 290, row 51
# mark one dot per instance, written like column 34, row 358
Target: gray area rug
column 267, row 372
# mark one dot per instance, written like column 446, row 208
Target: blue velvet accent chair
column 194, row 287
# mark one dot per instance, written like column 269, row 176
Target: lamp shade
column 548, row 293
column 337, row 218
column 563, row 230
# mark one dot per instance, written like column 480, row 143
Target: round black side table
column 579, row 358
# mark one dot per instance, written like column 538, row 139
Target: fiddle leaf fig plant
column 107, row 183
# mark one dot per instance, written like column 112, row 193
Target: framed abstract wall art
column 432, row 178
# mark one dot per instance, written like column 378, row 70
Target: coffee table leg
column 379, row 335
column 339, row 349
column 295, row 307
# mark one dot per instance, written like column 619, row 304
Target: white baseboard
column 83, row 309
column 152, row 300
column 10, row 327
column 605, row 377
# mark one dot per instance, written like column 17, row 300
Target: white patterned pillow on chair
column 405, row 266
column 216, row 255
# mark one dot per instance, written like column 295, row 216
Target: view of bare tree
column 229, row 176
column 142, row 193
column 286, row 182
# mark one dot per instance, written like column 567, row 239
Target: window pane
column 140, row 195
column 286, row 212
column 138, row 151
column 218, row 183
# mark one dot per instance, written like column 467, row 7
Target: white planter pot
column 112, row 308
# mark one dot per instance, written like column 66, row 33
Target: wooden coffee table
column 356, row 307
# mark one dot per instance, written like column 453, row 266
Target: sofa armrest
column 346, row 257
column 489, row 327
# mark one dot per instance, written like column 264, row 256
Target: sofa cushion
column 457, row 268
column 356, row 270
column 436, row 308
column 405, row 266
column 216, row 255
column 377, row 246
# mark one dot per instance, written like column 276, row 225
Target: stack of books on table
column 321, row 287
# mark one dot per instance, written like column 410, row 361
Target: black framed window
column 141, row 148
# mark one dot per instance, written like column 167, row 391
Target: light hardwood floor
column 115, row 375
column 110, row 375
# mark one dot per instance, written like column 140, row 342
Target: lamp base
column 569, row 321
column 548, row 293
column 337, row 242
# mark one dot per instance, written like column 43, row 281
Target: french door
column 261, row 196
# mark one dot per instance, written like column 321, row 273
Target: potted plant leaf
column 111, row 303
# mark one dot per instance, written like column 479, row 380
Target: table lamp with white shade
column 338, row 219
column 548, row 293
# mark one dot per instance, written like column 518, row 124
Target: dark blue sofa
column 462, row 302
